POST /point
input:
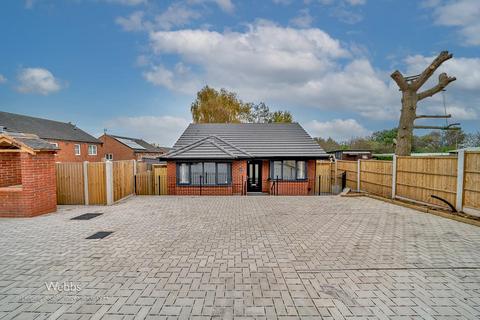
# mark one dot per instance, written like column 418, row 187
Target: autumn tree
column 212, row 106
column 409, row 86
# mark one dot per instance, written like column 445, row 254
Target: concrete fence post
column 460, row 180
column 134, row 176
column 394, row 176
column 85, row 181
column 358, row 175
column 109, row 181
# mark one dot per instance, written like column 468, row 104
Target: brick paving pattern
column 242, row 258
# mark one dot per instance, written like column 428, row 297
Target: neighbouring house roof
column 43, row 128
column 139, row 145
column 245, row 140
column 357, row 151
column 24, row 142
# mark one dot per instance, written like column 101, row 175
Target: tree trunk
column 407, row 118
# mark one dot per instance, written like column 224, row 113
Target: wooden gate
column 70, row 189
column 160, row 178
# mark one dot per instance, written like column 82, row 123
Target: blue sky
column 134, row 66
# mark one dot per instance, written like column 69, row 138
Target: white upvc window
column 77, row 149
column 55, row 144
column 92, row 150
column 109, row 156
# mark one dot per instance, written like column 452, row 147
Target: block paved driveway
column 240, row 257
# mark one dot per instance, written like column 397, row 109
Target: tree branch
column 400, row 80
column 443, row 81
column 427, row 73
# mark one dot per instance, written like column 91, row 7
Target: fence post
column 319, row 184
column 109, row 181
column 134, row 176
column 394, row 176
column 460, row 179
column 358, row 175
column 85, row 181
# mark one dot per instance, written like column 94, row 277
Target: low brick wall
column 36, row 193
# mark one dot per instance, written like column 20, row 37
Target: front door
column 254, row 176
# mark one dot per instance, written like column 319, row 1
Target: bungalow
column 73, row 143
column 243, row 158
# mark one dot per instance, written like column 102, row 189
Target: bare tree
column 409, row 86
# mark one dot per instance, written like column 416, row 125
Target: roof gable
column 260, row 140
column 211, row 146
column 43, row 128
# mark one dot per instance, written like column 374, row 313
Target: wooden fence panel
column 97, row 193
column 70, row 189
column 142, row 167
column 350, row 167
column 123, row 184
column 143, row 183
column 376, row 177
column 419, row 178
column 160, row 180
column 471, row 185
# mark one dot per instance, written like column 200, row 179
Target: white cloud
column 134, row 22
column 303, row 19
column 463, row 14
column 163, row 130
column 337, row 129
column 2, row 79
column 175, row 15
column 226, row 5
column 356, row 2
column 283, row 2
column 128, row 2
column 37, row 80
column 275, row 64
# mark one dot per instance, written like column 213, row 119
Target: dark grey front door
column 254, row 176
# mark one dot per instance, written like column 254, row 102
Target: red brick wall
column 118, row 149
column 266, row 176
column 67, row 152
column 10, row 170
column 37, row 194
column 289, row 188
column 239, row 176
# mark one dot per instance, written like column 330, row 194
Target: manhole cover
column 100, row 235
column 87, row 216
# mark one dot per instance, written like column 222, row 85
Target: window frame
column 88, row 150
column 109, row 156
column 271, row 171
column 79, row 149
column 195, row 184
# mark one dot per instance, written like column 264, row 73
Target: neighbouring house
column 73, row 143
column 352, row 154
column 126, row 148
column 27, row 175
column 223, row 159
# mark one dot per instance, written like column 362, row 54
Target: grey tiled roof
column 147, row 147
column 45, row 129
column 248, row 140
column 31, row 141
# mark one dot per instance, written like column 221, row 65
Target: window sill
column 17, row 188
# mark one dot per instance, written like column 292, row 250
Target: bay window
column 204, row 173
column 289, row 170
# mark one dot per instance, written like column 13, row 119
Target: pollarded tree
column 409, row 86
